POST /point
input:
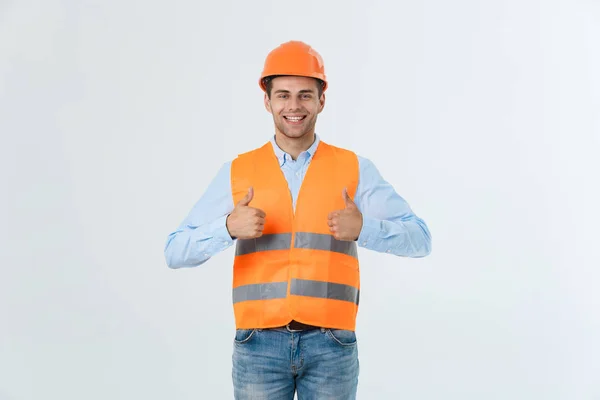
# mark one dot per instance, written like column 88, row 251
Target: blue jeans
column 272, row 364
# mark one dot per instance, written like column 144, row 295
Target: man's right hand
column 246, row 222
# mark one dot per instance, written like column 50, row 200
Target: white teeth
column 294, row 118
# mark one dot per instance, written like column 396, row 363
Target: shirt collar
column 282, row 156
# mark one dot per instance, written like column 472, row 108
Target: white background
column 115, row 116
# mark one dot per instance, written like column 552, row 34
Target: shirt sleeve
column 389, row 224
column 203, row 233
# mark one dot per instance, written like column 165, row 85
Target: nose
column 293, row 104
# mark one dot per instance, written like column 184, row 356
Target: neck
column 294, row 146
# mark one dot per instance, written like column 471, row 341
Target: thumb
column 247, row 198
column 347, row 199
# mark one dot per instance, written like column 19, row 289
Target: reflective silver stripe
column 326, row 290
column 260, row 291
column 320, row 241
column 277, row 241
column 304, row 240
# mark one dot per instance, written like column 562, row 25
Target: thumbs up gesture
column 246, row 222
column 346, row 224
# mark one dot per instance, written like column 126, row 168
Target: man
column 297, row 208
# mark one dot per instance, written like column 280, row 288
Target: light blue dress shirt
column 389, row 224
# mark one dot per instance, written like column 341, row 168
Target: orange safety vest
column 296, row 269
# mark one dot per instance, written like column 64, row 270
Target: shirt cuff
column 369, row 232
column 221, row 238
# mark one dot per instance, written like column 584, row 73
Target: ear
column 321, row 103
column 268, row 103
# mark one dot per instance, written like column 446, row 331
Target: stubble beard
column 292, row 133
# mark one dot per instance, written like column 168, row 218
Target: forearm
column 191, row 246
column 408, row 237
column 203, row 233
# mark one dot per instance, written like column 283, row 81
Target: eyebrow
column 301, row 91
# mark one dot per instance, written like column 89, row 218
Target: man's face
column 294, row 104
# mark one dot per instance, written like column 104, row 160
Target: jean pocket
column 342, row 337
column 243, row 335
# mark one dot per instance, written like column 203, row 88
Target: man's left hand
column 346, row 224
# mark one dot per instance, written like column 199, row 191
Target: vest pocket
column 243, row 335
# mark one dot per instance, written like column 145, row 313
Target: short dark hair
column 268, row 81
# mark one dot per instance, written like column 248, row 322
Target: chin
column 291, row 133
column 294, row 135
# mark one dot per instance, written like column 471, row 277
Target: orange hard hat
column 294, row 58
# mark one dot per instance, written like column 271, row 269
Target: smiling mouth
column 294, row 120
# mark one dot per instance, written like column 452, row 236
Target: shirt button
column 388, row 250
